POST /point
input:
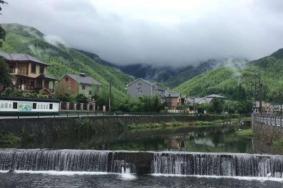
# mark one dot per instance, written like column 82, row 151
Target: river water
column 110, row 181
column 221, row 139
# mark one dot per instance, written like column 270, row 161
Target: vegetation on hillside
column 142, row 104
column 62, row 60
column 5, row 80
column 260, row 77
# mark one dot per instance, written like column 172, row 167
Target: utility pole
column 110, row 95
column 258, row 91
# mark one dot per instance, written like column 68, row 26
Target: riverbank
column 96, row 132
column 238, row 122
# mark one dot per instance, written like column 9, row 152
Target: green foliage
column 63, row 93
column 217, row 106
column 2, row 31
column 241, row 84
column 232, row 107
column 80, row 98
column 5, row 80
column 143, row 104
column 62, row 60
column 102, row 98
column 245, row 133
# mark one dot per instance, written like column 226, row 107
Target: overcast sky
column 166, row 32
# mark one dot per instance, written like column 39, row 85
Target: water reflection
column 201, row 139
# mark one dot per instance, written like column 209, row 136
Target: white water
column 127, row 175
column 246, row 178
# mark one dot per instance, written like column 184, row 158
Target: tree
column 2, row 31
column 63, row 92
column 217, row 105
column 5, row 79
column 80, row 98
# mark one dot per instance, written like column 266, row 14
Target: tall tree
column 2, row 31
column 5, row 80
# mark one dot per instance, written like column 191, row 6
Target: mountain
column 241, row 79
column 168, row 75
column 62, row 59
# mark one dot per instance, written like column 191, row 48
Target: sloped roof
column 143, row 80
column 20, row 57
column 172, row 94
column 215, row 96
column 84, row 79
column 46, row 77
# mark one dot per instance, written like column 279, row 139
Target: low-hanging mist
column 175, row 33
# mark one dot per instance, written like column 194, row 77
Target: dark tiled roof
column 43, row 76
column 20, row 57
column 172, row 94
column 84, row 79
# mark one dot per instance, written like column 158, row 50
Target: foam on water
column 127, row 175
column 58, row 173
column 246, row 178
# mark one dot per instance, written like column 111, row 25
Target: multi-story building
column 28, row 73
column 173, row 100
column 141, row 87
column 80, row 84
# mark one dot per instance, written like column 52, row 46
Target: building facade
column 140, row 88
column 173, row 100
column 28, row 73
column 80, row 84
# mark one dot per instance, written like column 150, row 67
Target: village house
column 80, row 84
column 28, row 73
column 141, row 88
column 173, row 100
column 203, row 100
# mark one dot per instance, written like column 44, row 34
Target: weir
column 164, row 163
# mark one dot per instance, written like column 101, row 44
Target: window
column 66, row 79
column 41, row 69
column 50, row 106
column 33, row 68
column 15, row 105
column 33, row 105
column 83, row 87
column 12, row 69
column 89, row 92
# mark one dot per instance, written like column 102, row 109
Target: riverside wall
column 77, row 132
column 268, row 130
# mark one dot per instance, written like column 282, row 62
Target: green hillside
column 237, row 82
column 62, row 60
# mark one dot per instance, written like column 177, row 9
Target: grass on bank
column 177, row 124
column 247, row 133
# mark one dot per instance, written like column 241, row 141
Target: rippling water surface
column 8, row 180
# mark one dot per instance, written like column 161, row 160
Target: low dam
column 176, row 163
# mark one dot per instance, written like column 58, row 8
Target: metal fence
column 268, row 119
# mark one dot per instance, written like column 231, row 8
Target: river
column 204, row 157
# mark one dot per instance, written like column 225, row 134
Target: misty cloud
column 161, row 32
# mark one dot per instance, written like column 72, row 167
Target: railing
column 268, row 119
column 78, row 114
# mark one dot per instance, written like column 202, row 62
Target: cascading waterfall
column 217, row 164
column 127, row 163
column 62, row 160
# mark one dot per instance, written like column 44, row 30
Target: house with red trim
column 80, row 84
